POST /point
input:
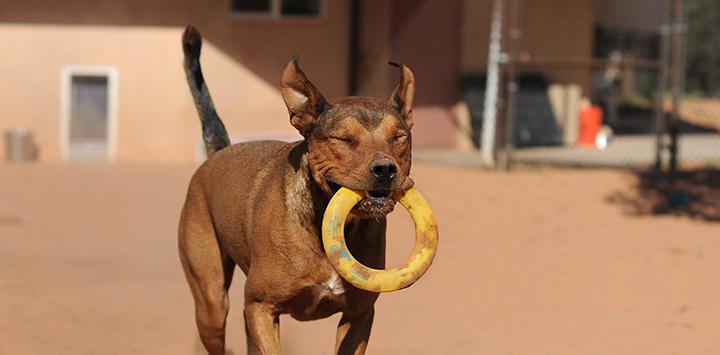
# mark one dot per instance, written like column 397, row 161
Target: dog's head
column 360, row 143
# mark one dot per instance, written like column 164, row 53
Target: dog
column 259, row 206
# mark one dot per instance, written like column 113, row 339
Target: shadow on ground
column 694, row 193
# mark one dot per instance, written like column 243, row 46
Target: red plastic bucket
column 590, row 123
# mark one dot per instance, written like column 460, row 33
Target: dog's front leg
column 262, row 328
column 353, row 332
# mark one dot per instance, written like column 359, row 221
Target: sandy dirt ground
column 530, row 262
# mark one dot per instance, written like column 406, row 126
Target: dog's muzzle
column 374, row 204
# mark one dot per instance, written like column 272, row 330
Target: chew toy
column 374, row 280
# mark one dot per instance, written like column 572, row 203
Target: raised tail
column 215, row 136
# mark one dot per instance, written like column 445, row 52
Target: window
column 88, row 113
column 277, row 8
column 89, row 110
column 252, row 6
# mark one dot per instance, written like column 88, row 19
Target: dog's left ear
column 304, row 102
column 402, row 97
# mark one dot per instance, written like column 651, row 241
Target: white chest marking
column 335, row 284
column 328, row 289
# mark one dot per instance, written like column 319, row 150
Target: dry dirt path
column 531, row 262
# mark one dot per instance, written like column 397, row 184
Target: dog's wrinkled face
column 362, row 144
column 356, row 142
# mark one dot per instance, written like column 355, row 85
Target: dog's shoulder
column 248, row 155
column 238, row 166
column 248, row 150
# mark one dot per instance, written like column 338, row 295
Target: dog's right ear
column 404, row 95
column 304, row 102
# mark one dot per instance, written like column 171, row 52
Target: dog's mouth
column 376, row 203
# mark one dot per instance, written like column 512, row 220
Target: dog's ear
column 402, row 97
column 304, row 102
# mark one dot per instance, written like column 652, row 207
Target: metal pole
column 512, row 87
column 662, row 72
column 678, row 71
column 712, row 50
column 487, row 139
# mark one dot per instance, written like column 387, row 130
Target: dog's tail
column 215, row 136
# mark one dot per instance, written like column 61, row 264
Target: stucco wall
column 625, row 14
column 426, row 37
column 242, row 60
column 374, row 74
column 555, row 29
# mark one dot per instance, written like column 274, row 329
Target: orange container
column 590, row 123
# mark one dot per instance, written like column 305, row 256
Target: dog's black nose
column 383, row 172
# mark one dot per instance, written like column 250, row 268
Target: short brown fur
column 260, row 206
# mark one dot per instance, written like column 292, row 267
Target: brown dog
column 260, row 206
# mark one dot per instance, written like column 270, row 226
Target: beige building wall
column 475, row 35
column 156, row 120
column 376, row 77
column 552, row 29
column 426, row 37
column 243, row 58
column 644, row 15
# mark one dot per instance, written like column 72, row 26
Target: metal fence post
column 660, row 117
column 679, row 29
column 512, row 85
column 487, row 139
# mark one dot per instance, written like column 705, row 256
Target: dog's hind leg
column 353, row 332
column 262, row 329
column 208, row 270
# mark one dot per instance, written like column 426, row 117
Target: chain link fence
column 700, row 103
column 646, row 98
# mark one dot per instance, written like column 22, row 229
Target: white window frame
column 274, row 13
column 66, row 76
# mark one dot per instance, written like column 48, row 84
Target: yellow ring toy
column 374, row 280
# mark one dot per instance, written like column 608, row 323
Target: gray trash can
column 20, row 146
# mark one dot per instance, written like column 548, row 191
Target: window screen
column 251, row 5
column 89, row 109
column 300, row 7
column 278, row 7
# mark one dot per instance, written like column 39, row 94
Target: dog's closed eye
column 346, row 140
column 399, row 138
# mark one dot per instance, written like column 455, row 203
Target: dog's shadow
column 694, row 193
